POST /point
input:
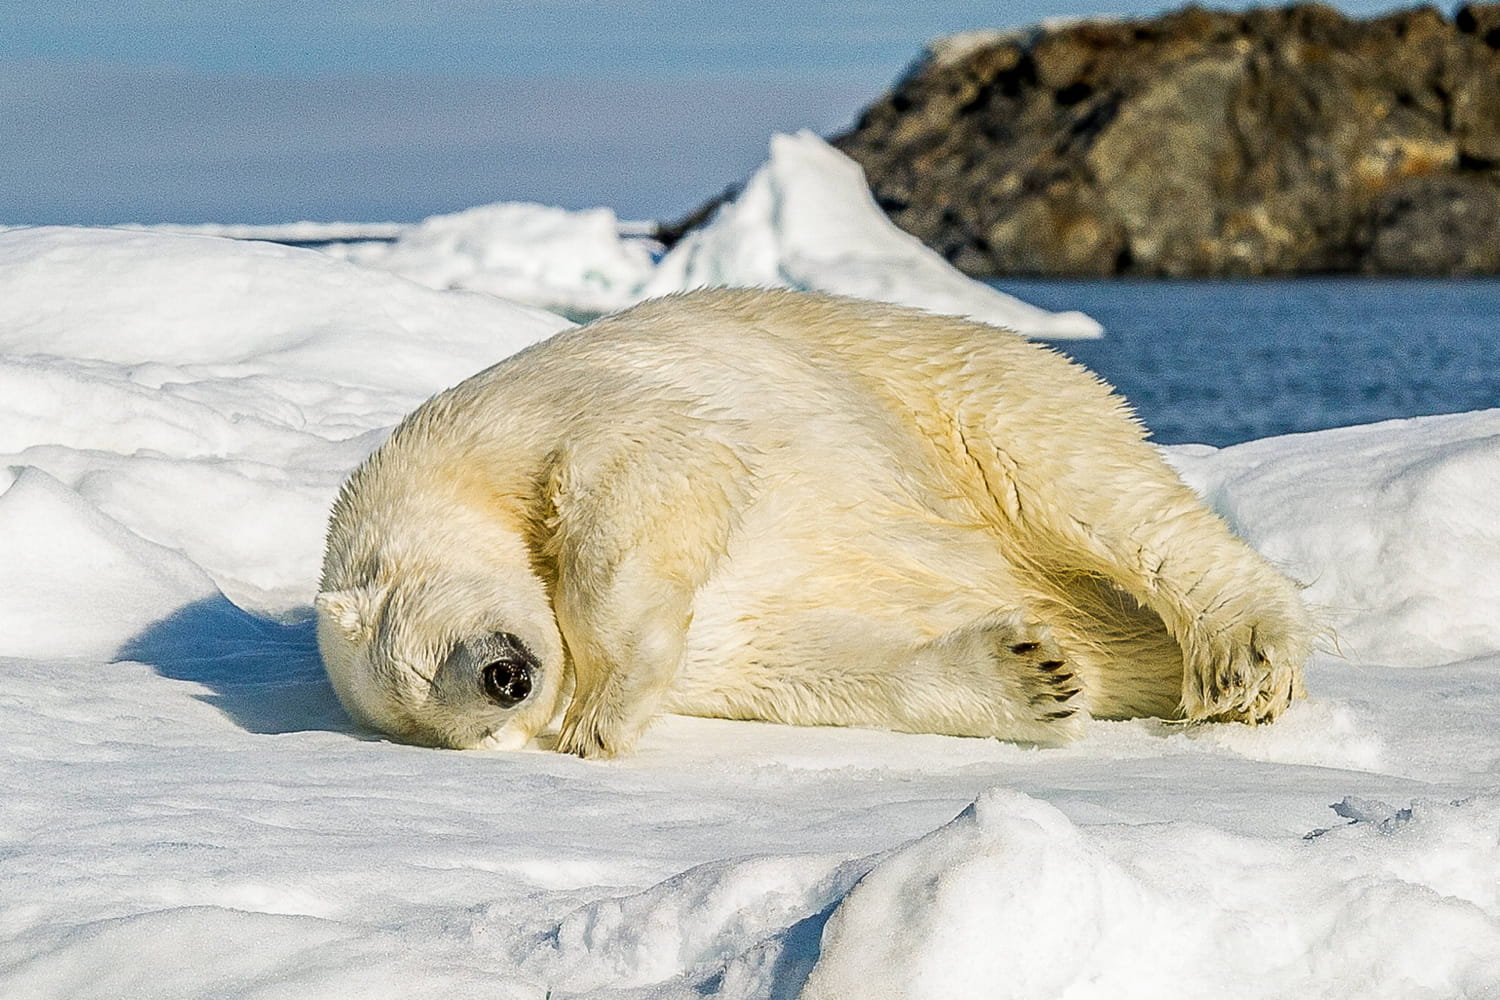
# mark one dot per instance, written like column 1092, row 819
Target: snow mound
column 60, row 553
column 688, row 924
column 806, row 220
column 1012, row 900
column 187, row 405
column 575, row 263
column 245, row 308
column 1392, row 527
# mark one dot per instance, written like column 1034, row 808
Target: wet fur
column 799, row 508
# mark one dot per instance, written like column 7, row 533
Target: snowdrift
column 183, row 404
column 1012, row 900
column 574, row 263
column 1391, row 525
column 189, row 813
column 805, row 220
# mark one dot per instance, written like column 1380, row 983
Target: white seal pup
column 770, row 505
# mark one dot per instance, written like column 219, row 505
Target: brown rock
column 1435, row 225
column 1272, row 141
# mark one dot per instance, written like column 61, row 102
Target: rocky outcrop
column 1274, row 141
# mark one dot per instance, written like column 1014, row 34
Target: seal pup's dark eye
column 507, row 682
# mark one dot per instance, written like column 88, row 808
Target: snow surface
column 571, row 262
column 205, row 396
column 805, row 220
column 185, row 811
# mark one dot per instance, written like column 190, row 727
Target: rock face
column 1274, row 141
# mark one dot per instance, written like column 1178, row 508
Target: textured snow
column 1404, row 577
column 807, row 220
column 207, row 396
column 187, row 812
column 1013, row 895
column 572, row 262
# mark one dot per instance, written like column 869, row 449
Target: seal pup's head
column 449, row 661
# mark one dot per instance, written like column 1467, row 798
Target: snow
column 288, row 232
column 946, row 50
column 241, row 379
column 1413, row 501
column 188, row 813
column 62, row 553
column 807, row 220
column 1013, row 895
column 572, row 262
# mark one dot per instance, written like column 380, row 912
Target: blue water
column 1220, row 362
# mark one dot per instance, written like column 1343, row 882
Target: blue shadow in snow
column 802, row 943
column 797, row 951
column 265, row 675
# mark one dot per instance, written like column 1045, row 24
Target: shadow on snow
column 796, row 949
column 265, row 675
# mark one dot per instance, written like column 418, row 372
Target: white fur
column 799, row 508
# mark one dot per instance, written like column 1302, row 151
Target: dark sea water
column 1220, row 362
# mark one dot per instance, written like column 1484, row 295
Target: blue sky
column 239, row 111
